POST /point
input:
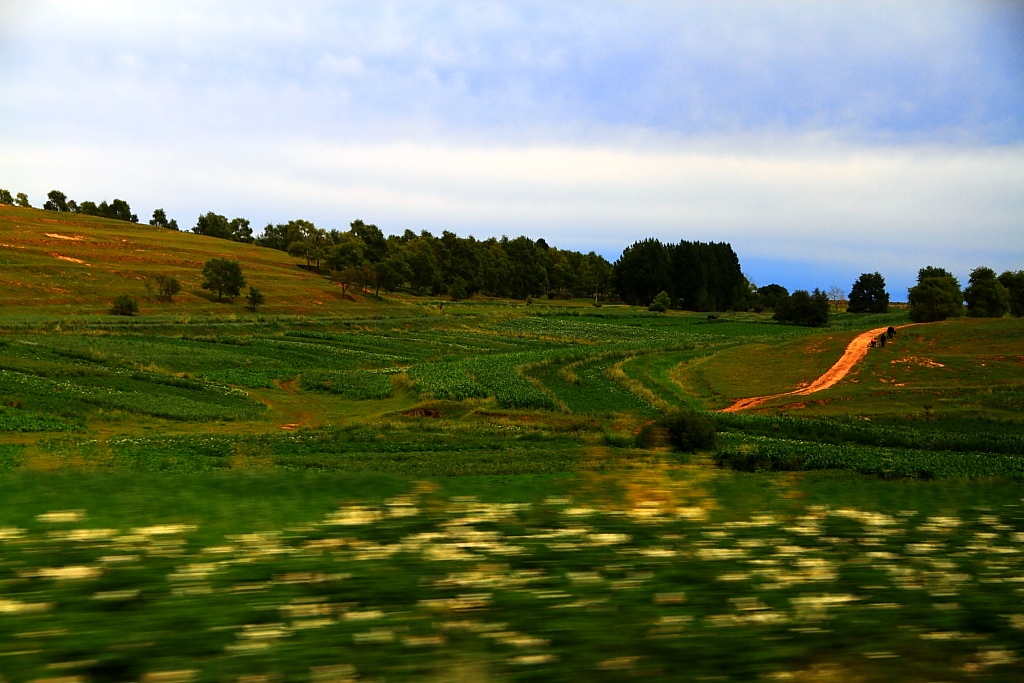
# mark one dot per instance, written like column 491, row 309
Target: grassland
column 392, row 489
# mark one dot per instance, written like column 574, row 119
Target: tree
column 1014, row 283
column 166, row 286
column 254, row 298
column 240, row 230
column 769, row 296
column 22, row 201
column 390, row 274
column 375, row 246
column 5, row 197
column 124, row 305
column 213, row 225
column 936, row 296
column 308, row 242
column 118, row 210
column 837, row 296
column 642, row 271
column 803, row 308
column 868, row 295
column 985, row 295
column 159, row 220
column 351, row 276
column 224, row 277
column 56, row 201
column 661, row 303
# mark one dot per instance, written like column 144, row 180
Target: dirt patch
column 290, row 386
column 73, row 238
column 920, row 362
column 430, row 413
column 66, row 258
column 855, row 353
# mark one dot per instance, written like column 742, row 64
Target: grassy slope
column 68, row 265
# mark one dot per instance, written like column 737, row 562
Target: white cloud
column 860, row 208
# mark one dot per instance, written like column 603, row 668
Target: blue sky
column 821, row 140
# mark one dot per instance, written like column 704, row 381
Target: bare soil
column 855, row 353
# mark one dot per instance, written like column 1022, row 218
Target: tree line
column 698, row 276
column 519, row 268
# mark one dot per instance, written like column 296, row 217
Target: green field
column 400, row 488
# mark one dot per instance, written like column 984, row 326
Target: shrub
column 684, row 430
column 124, row 305
column 662, row 302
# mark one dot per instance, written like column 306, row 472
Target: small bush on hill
column 124, row 305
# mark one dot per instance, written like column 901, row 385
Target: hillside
column 68, row 264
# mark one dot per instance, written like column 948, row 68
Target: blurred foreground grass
column 662, row 572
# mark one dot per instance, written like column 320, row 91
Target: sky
column 821, row 140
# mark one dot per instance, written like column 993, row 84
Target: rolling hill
column 68, row 264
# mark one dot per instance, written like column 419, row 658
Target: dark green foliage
column 124, row 305
column 1014, row 283
column 22, row 201
column 803, row 308
column 281, row 236
column 985, row 295
column 215, row 225
column 702, row 276
column 662, row 302
column 769, row 296
column 449, row 264
column 308, row 242
column 254, row 298
column 56, row 201
column 936, row 296
column 224, row 277
column 118, row 210
column 5, row 197
column 868, row 295
column 165, row 286
column 159, row 220
column 689, row 431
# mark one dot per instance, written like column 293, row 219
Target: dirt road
column 854, row 353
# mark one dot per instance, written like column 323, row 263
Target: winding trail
column 855, row 352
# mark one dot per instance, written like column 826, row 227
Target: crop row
column 763, row 454
column 354, row 384
column 131, row 394
column 839, row 431
column 33, row 421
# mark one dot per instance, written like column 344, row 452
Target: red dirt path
column 854, row 353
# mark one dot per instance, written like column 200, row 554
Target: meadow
column 406, row 488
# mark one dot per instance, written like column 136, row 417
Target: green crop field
column 400, row 488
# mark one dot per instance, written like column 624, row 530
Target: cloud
column 819, row 137
column 858, row 208
column 879, row 72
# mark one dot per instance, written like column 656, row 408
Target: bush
column 661, row 303
column 684, row 430
column 124, row 305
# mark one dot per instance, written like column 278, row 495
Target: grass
column 409, row 489
column 396, row 580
